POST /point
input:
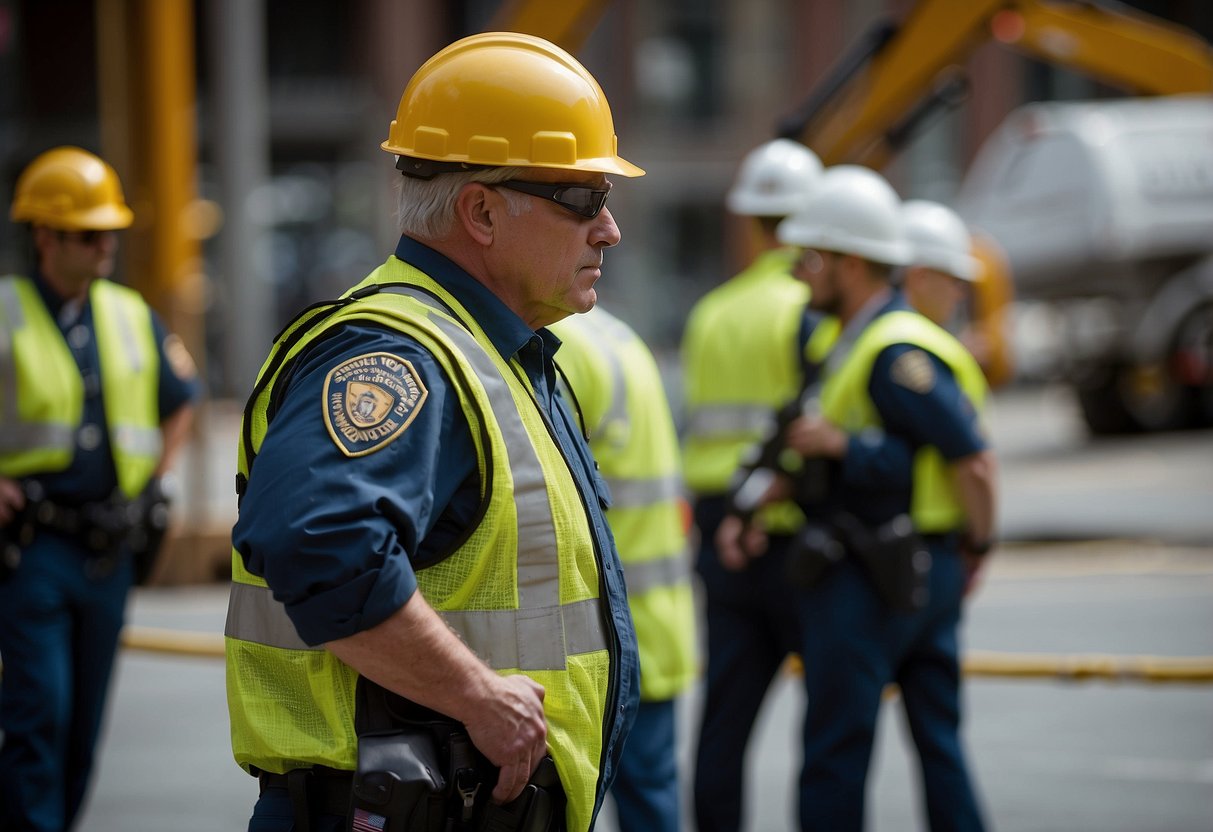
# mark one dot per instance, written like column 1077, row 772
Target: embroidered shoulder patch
column 914, row 371
column 369, row 401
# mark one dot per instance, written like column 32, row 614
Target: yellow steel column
column 146, row 84
column 146, row 89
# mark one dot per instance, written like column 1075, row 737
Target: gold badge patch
column 914, row 371
column 370, row 400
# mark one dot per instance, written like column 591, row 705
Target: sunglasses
column 582, row 200
column 90, row 237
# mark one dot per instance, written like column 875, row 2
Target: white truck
column 1105, row 211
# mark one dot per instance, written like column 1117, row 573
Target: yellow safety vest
column 740, row 365
column 934, row 504
column 619, row 390
column 292, row 705
column 42, row 394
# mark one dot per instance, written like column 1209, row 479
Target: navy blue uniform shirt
column 338, row 539
column 876, row 476
column 91, row 476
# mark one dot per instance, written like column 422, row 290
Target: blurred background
column 1076, row 138
column 246, row 134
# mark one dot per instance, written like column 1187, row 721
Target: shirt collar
column 507, row 332
column 54, row 303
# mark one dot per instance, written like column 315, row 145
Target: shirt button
column 78, row 336
column 89, row 437
column 92, row 385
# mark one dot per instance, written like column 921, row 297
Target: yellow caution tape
column 976, row 662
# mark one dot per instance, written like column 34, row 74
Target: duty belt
column 313, row 791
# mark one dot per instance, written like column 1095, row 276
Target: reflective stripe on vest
column 740, row 365
column 935, row 507
column 619, row 389
column 722, row 421
column 540, row 634
column 39, row 377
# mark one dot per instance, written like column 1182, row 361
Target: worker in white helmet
column 740, row 362
column 886, row 558
column 942, row 270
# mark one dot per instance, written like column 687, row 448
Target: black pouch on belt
column 14, row 537
column 894, row 558
column 418, row 771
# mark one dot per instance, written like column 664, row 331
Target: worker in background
column 740, row 362
column 95, row 401
column 427, row 574
column 939, row 277
column 617, row 389
column 883, row 578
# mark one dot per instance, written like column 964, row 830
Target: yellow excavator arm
column 879, row 93
column 868, row 106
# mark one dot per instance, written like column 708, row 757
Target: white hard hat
column 774, row 179
column 938, row 239
column 853, row 210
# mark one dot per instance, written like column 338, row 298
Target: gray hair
column 427, row 206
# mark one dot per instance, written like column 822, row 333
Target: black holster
column 892, row 556
column 419, row 771
column 14, row 537
column 106, row 528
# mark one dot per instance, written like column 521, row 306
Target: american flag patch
column 365, row 821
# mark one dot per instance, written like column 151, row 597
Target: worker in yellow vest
column 883, row 566
column 428, row 625
column 617, row 389
column 95, row 401
column 740, row 362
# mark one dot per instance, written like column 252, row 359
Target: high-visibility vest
column 42, row 394
column 292, row 705
column 740, row 365
column 618, row 389
column 935, row 506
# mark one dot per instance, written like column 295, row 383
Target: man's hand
column 414, row 654
column 738, row 542
column 512, row 733
column 813, row 436
column 12, row 500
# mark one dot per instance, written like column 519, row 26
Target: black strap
column 313, row 792
column 297, row 787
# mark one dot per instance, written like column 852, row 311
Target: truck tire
column 1102, row 407
column 1135, row 400
column 1193, row 359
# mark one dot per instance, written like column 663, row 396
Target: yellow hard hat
column 70, row 189
column 504, row 99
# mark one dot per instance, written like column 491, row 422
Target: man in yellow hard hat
column 428, row 619
column 95, row 399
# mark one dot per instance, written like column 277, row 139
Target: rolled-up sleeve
column 333, row 529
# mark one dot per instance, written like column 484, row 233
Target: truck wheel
column 1102, row 406
column 1155, row 398
column 1193, row 362
column 1135, row 399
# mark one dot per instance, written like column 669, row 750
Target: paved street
column 1049, row 755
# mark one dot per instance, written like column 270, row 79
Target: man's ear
column 475, row 213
